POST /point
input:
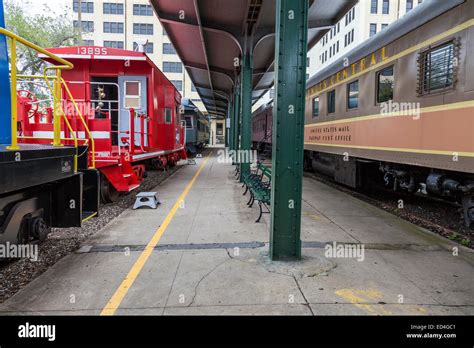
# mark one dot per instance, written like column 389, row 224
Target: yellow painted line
column 427, row 110
column 401, row 54
column 315, row 217
column 394, row 149
column 128, row 281
column 89, row 217
column 359, row 298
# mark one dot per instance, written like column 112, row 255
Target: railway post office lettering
column 330, row 134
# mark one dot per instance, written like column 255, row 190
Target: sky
column 36, row 6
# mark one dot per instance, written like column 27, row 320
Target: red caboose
column 128, row 107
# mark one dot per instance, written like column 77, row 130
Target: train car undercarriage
column 358, row 173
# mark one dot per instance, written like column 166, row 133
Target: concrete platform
column 212, row 259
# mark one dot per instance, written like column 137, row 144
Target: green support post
column 226, row 134
column 237, row 120
column 288, row 128
column 246, row 112
column 231, row 130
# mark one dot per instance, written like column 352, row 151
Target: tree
column 45, row 30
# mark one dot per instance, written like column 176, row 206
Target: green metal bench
column 259, row 185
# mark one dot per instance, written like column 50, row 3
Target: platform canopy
column 210, row 36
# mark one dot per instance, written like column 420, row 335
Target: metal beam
column 218, row 92
column 229, row 32
column 237, row 117
column 211, row 69
column 203, row 42
column 232, row 128
column 288, row 128
column 246, row 140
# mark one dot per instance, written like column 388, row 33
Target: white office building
column 127, row 23
column 364, row 20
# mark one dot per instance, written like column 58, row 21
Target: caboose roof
column 95, row 52
column 102, row 53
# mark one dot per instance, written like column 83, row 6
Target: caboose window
column 437, row 68
column 132, row 95
column 168, row 115
column 385, row 83
column 353, row 95
column 332, row 101
column 315, row 106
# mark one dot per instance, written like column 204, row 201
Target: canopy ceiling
column 210, row 36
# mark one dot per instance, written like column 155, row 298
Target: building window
column 308, row 60
column 168, row 48
column 86, row 6
column 142, row 10
column 374, row 6
column 437, row 68
column 385, row 84
column 349, row 38
column 353, row 95
column 142, row 29
column 409, row 5
column 385, row 6
column 84, row 42
column 193, row 88
column 384, row 25
column 148, row 48
column 87, row 26
column 373, row 29
column 114, row 44
column 111, row 8
column 132, row 95
column 168, row 116
column 172, row 67
column 315, row 107
column 113, row 27
column 332, row 101
column 178, row 84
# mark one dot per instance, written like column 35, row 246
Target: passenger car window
column 385, row 84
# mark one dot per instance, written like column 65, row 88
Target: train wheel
column 108, row 193
column 39, row 229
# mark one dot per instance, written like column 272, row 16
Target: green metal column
column 246, row 138
column 288, row 128
column 237, row 119
column 232, row 128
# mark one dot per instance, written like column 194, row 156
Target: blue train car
column 197, row 127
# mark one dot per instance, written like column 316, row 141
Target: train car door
column 133, row 95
